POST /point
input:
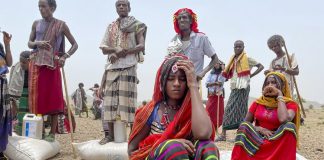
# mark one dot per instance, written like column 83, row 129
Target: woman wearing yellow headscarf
column 274, row 134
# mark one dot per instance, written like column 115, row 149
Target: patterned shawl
column 3, row 88
column 126, row 25
column 52, row 34
column 242, row 66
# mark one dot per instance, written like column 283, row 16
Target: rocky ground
column 311, row 143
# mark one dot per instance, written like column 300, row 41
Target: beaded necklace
column 165, row 121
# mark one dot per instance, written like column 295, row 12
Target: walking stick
column 69, row 111
column 217, row 114
column 295, row 83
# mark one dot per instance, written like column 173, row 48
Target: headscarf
column 180, row 127
column 194, row 24
column 282, row 85
column 165, row 72
column 273, row 102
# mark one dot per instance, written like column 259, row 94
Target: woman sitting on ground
column 174, row 125
column 274, row 135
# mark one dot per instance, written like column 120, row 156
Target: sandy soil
column 311, row 143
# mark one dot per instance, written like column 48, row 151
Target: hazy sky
column 253, row 21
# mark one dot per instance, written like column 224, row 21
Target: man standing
column 18, row 89
column 238, row 71
column 280, row 63
column 123, row 41
column 96, row 104
column 80, row 100
column 191, row 42
column 48, row 55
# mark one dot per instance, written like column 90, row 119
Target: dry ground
column 311, row 143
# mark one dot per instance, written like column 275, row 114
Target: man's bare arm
column 209, row 67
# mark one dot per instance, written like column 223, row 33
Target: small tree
column 322, row 106
column 295, row 98
column 311, row 106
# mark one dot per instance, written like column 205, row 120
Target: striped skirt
column 249, row 144
column 236, row 108
column 120, row 95
column 172, row 149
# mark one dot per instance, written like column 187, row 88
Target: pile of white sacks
column 118, row 151
column 22, row 148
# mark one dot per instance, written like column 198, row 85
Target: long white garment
column 244, row 81
column 77, row 97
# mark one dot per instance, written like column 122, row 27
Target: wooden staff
column 295, row 83
column 217, row 124
column 69, row 111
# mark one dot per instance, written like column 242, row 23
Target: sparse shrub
column 311, row 106
column 320, row 123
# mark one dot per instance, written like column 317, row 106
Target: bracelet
column 68, row 55
column 193, row 85
column 286, row 70
column 280, row 98
column 114, row 54
column 258, row 129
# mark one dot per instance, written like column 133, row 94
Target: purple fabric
column 170, row 148
column 5, row 130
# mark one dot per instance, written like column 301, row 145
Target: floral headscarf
column 194, row 24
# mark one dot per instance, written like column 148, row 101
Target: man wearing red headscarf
column 191, row 42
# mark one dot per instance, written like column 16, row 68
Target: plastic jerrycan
column 32, row 126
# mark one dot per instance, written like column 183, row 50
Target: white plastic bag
column 91, row 150
column 24, row 148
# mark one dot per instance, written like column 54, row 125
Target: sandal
column 220, row 138
column 3, row 157
column 105, row 140
column 50, row 137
